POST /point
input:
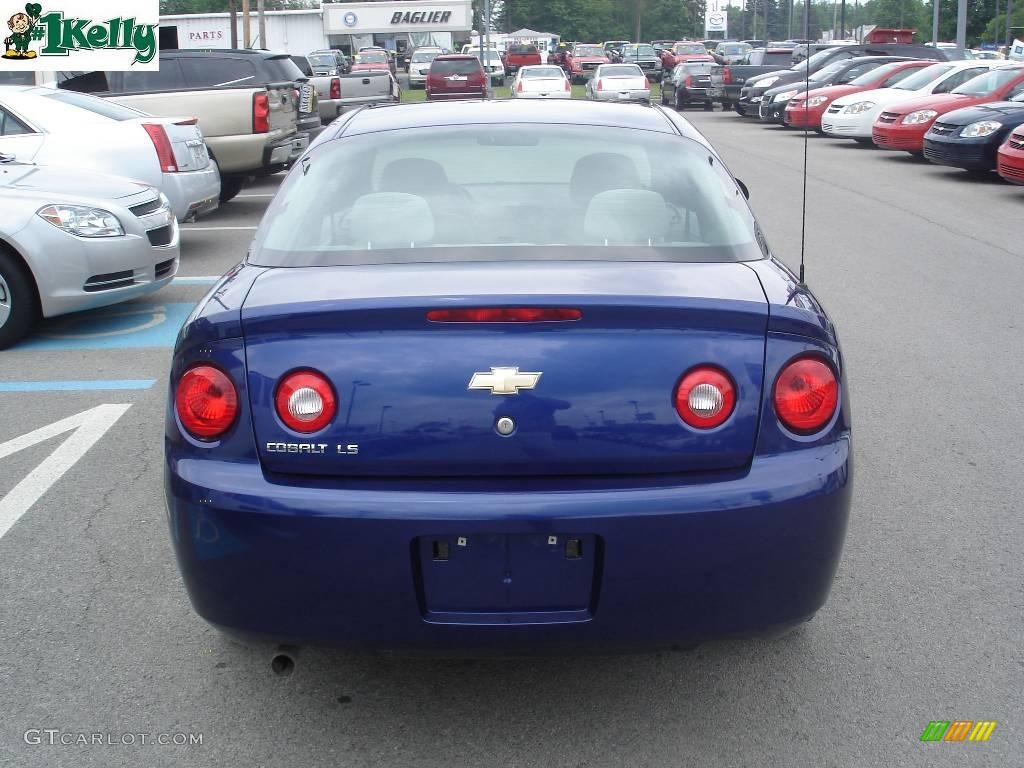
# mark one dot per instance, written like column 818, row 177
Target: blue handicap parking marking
column 122, row 326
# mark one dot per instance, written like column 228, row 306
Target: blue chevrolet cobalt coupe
column 508, row 376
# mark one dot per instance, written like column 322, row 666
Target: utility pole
column 842, row 20
column 961, row 24
column 935, row 22
column 1009, row 10
column 639, row 15
column 789, row 29
column 765, row 23
column 234, row 24
column 246, row 32
column 261, row 10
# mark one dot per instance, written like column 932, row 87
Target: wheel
column 726, row 106
column 740, row 110
column 229, row 187
column 664, row 98
column 708, row 106
column 19, row 305
column 680, row 100
column 864, row 141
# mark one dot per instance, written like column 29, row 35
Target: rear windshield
column 690, row 48
column 776, row 58
column 323, row 60
column 421, row 57
column 922, row 77
column 283, row 69
column 523, row 49
column 643, row 51
column 95, row 105
column 543, row 72
column 622, row 70
column 733, row 50
column 455, row 67
column 17, row 78
column 372, row 57
column 303, row 64
column 983, row 85
column 529, row 192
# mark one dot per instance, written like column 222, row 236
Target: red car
column 371, row 61
column 456, row 76
column 684, row 51
column 903, row 126
column 1010, row 158
column 521, row 55
column 805, row 110
column 583, row 60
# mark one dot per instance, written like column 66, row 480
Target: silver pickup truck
column 372, row 87
column 328, row 88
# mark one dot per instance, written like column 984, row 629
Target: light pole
column 352, row 399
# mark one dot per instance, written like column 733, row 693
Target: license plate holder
column 509, row 578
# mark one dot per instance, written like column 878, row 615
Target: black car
column 753, row 90
column 688, row 85
column 969, row 138
column 772, row 108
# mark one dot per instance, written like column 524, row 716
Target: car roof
column 504, row 111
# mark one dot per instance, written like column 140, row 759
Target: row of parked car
column 97, row 169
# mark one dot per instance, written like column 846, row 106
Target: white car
column 419, row 65
column 73, row 239
column 851, row 117
column 545, row 81
column 53, row 127
column 493, row 65
column 619, row 82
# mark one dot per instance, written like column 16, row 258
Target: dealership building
column 393, row 24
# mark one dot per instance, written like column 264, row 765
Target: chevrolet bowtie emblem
column 504, row 381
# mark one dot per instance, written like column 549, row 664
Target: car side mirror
column 743, row 188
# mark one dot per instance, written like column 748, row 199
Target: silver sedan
column 72, row 240
column 619, row 82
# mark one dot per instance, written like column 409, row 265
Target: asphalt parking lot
column 922, row 270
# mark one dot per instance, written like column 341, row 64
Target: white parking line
column 189, row 228
column 89, row 426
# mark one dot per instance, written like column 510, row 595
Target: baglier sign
column 81, row 35
column 421, row 17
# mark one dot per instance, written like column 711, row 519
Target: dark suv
column 456, row 77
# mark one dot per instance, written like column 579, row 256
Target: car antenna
column 807, row 87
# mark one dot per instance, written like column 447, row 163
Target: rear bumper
column 285, row 151
column 442, row 96
column 192, row 193
column 644, row 95
column 971, row 154
column 674, row 564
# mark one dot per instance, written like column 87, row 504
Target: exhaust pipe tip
column 282, row 663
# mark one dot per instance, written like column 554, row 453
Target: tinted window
column 521, row 50
column 563, row 192
column 455, row 67
column 17, row 78
column 588, row 50
column 318, row 60
column 282, row 69
column 303, row 64
column 167, row 78
column 780, row 58
column 95, row 105
column 218, row 73
column 631, row 70
column 923, row 77
column 543, row 72
column 372, row 57
column 958, row 79
column 12, row 126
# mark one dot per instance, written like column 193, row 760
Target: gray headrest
column 626, row 217
column 412, row 174
column 600, row 172
column 391, row 220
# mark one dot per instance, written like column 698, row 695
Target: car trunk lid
column 594, row 396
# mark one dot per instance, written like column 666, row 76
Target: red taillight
column 519, row 88
column 689, row 81
column 206, row 402
column 705, row 397
column 504, row 315
column 162, row 145
column 568, row 85
column 305, row 401
column 260, row 113
column 806, row 394
column 727, row 76
column 600, row 85
column 335, row 87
